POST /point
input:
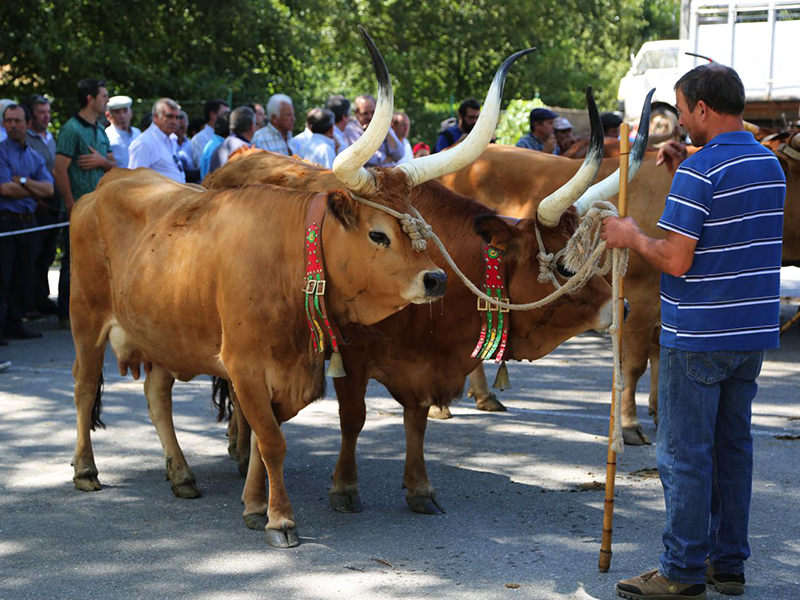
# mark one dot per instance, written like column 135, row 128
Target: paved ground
column 523, row 493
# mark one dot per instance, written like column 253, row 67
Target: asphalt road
column 522, row 490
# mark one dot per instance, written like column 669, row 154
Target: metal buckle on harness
column 486, row 306
column 310, row 286
column 320, row 287
column 503, row 309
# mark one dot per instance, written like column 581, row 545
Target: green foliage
column 515, row 120
column 438, row 51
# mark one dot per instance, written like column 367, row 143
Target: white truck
column 758, row 38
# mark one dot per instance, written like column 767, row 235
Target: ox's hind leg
column 255, row 401
column 636, row 350
column 158, row 389
column 479, row 389
column 351, row 392
column 655, row 357
column 88, row 373
column 420, row 495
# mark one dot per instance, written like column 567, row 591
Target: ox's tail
column 221, row 398
column 98, row 405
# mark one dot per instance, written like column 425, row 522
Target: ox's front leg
column 420, row 495
column 351, row 392
column 158, row 389
column 254, row 495
column 479, row 389
column 256, row 404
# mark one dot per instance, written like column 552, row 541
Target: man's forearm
column 111, row 162
column 63, row 185
column 12, row 189
column 39, row 189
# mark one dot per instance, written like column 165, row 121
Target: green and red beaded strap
column 314, row 291
column 494, row 331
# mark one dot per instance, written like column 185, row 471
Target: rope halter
column 415, row 227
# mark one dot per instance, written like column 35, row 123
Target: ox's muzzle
column 435, row 283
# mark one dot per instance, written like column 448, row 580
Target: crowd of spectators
column 42, row 175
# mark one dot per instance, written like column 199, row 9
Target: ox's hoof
column 634, row 436
column 285, row 537
column 187, row 491
column 87, row 483
column 346, row 502
column 439, row 412
column 424, row 505
column 490, row 403
column 255, row 521
column 232, row 450
column 243, row 463
column 654, row 414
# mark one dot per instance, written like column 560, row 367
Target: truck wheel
column 662, row 120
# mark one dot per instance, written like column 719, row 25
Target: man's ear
column 498, row 231
column 342, row 206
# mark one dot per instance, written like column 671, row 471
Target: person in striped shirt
column 720, row 263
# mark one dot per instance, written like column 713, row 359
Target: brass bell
column 336, row 366
column 501, row 382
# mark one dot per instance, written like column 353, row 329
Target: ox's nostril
column 435, row 283
column 626, row 309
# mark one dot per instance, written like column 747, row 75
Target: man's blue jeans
column 705, row 459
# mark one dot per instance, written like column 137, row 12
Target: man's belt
column 7, row 214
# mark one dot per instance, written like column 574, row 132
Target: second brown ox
column 513, row 180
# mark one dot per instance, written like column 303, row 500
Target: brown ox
column 513, row 180
column 423, row 356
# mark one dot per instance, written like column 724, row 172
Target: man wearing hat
column 611, row 124
column 120, row 133
column 563, row 133
column 541, row 136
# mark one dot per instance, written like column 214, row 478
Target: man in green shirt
column 83, row 155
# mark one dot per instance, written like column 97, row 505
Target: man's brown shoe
column 725, row 583
column 654, row 586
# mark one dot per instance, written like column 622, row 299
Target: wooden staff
column 611, row 461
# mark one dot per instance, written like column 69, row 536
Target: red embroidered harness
column 496, row 321
column 314, row 284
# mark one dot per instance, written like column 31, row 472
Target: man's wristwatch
column 23, row 181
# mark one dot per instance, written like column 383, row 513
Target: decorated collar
column 314, row 288
column 494, row 329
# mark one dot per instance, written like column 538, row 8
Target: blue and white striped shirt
column 729, row 197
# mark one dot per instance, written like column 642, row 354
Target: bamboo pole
column 604, row 562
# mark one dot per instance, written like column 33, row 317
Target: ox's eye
column 564, row 271
column 380, row 238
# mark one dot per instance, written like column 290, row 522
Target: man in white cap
column 120, row 133
column 563, row 132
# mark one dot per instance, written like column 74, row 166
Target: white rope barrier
column 33, row 229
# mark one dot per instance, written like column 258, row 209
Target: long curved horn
column 551, row 208
column 420, row 170
column 349, row 165
column 603, row 190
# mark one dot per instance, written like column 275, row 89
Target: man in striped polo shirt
column 719, row 311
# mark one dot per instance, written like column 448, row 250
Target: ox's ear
column 498, row 231
column 342, row 206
